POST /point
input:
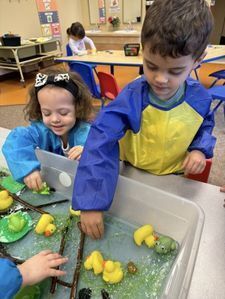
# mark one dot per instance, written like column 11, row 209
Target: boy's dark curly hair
column 77, row 29
column 82, row 103
column 177, row 27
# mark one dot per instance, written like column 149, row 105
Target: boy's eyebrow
column 172, row 68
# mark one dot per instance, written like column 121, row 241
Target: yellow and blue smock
column 19, row 147
column 152, row 138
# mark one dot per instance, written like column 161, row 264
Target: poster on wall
column 114, row 6
column 101, row 9
column 49, row 19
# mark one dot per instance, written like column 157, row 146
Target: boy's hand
column 41, row 266
column 194, row 163
column 92, row 224
column 222, row 189
column 75, row 152
column 34, row 180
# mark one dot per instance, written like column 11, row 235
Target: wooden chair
column 108, row 86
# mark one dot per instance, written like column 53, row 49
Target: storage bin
column 10, row 40
column 140, row 204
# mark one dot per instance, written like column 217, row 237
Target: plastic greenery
column 115, row 21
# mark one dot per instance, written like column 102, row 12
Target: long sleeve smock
column 78, row 46
column 156, row 140
column 10, row 279
column 19, row 147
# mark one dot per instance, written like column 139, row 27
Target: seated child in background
column 32, row 271
column 59, row 107
column 162, row 119
column 77, row 39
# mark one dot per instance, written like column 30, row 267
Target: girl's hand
column 92, row 224
column 75, row 152
column 194, row 163
column 41, row 266
column 33, row 180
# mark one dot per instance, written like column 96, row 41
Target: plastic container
column 131, row 49
column 138, row 203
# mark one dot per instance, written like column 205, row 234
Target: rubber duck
column 45, row 225
column 94, row 261
column 5, row 200
column 112, row 272
column 74, row 212
column 16, row 222
column 165, row 244
column 144, row 233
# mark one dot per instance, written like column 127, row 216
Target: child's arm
column 75, row 152
column 34, row 181
column 41, row 266
column 19, row 151
column 98, row 168
column 222, row 189
column 204, row 141
column 32, row 271
column 92, row 223
column 90, row 42
column 194, row 162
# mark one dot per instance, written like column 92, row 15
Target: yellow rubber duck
column 112, row 272
column 45, row 225
column 145, row 234
column 94, row 261
column 5, row 200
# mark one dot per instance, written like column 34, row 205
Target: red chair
column 108, row 85
column 202, row 177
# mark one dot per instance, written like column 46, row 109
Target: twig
column 78, row 265
column 23, row 202
column 61, row 250
column 5, row 254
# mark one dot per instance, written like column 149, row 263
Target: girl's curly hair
column 82, row 102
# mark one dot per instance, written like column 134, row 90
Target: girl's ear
column 199, row 60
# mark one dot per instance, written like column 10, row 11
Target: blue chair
column 68, row 51
column 86, row 73
column 219, row 75
column 218, row 93
column 196, row 72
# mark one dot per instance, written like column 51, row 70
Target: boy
column 164, row 115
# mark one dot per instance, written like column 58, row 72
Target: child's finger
column 222, row 189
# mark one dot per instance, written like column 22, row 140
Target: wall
column 107, row 26
column 219, row 16
column 21, row 17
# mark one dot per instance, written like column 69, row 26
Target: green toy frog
column 165, row 244
column 16, row 222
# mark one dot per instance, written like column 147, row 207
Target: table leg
column 19, row 66
column 112, row 69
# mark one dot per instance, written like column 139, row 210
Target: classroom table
column 17, row 57
column 117, row 58
column 209, row 271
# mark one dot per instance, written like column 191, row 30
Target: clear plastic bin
column 138, row 203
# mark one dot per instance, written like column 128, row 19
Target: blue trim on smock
column 10, row 279
column 98, row 170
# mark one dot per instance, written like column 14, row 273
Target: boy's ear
column 199, row 60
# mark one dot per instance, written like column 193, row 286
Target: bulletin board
column 49, row 19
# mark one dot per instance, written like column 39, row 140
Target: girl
column 59, row 107
column 77, row 39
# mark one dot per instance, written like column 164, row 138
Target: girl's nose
column 55, row 118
